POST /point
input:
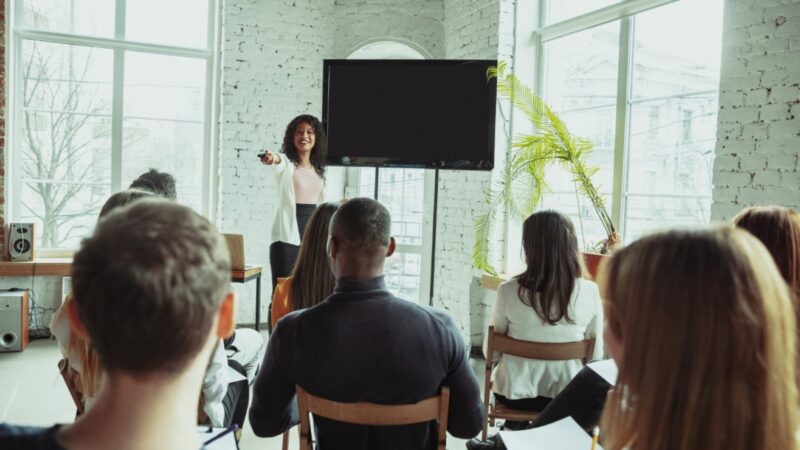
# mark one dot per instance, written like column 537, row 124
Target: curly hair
column 320, row 150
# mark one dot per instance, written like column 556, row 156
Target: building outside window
column 645, row 93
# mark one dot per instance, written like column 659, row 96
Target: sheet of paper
column 234, row 376
column 227, row 442
column 606, row 369
column 565, row 434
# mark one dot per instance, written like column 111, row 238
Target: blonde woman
column 702, row 328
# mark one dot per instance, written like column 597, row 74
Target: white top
column 284, row 227
column 515, row 377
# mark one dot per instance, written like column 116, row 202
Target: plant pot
column 592, row 261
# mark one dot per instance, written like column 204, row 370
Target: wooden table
column 62, row 267
column 245, row 275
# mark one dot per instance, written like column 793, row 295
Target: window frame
column 119, row 46
column 532, row 43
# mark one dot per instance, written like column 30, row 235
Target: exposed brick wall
column 759, row 116
column 271, row 71
column 415, row 21
column 472, row 30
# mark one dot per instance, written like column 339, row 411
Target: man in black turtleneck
column 364, row 344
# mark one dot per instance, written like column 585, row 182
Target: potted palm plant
column 521, row 184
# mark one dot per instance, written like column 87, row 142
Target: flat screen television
column 410, row 113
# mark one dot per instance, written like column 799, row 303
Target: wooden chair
column 73, row 381
column 363, row 413
column 525, row 349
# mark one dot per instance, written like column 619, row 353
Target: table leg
column 258, row 302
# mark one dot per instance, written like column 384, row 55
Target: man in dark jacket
column 364, row 344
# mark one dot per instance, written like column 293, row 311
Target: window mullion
column 621, row 143
column 117, row 99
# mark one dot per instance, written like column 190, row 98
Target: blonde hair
column 707, row 337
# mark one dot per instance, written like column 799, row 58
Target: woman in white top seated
column 549, row 302
column 300, row 175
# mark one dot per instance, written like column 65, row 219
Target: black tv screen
column 410, row 113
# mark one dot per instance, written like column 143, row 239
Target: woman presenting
column 300, row 174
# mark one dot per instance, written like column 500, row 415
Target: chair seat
column 498, row 411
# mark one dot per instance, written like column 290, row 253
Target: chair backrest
column 363, row 413
column 526, row 349
column 540, row 350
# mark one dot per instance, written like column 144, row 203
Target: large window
column 102, row 90
column 408, row 195
column 640, row 80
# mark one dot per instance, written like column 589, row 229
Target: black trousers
column 535, row 404
column 282, row 255
column 237, row 398
column 582, row 399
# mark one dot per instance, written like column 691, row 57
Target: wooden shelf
column 47, row 267
column 62, row 267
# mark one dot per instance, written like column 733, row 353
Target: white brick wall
column 271, row 71
column 759, row 116
column 272, row 54
column 357, row 22
column 472, row 30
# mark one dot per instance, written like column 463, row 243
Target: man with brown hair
column 364, row 344
column 152, row 295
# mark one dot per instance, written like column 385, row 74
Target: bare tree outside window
column 65, row 140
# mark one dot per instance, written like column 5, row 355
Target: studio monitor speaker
column 20, row 242
column 13, row 321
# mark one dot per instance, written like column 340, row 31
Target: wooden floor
column 33, row 393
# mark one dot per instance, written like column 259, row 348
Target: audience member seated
column 159, row 183
column 311, row 280
column 154, row 314
column 245, row 345
column 702, row 328
column 223, row 402
column 778, row 228
column 549, row 302
column 364, row 344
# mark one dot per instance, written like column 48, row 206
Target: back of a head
column 122, row 198
column 707, row 335
column 553, row 264
column 312, row 280
column 148, row 284
column 362, row 226
column 778, row 228
column 159, row 183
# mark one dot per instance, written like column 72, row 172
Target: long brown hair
column 707, row 338
column 778, row 228
column 312, row 279
column 551, row 252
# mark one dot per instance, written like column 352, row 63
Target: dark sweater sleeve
column 274, row 408
column 466, row 411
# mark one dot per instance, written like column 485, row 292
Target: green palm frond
column 521, row 184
